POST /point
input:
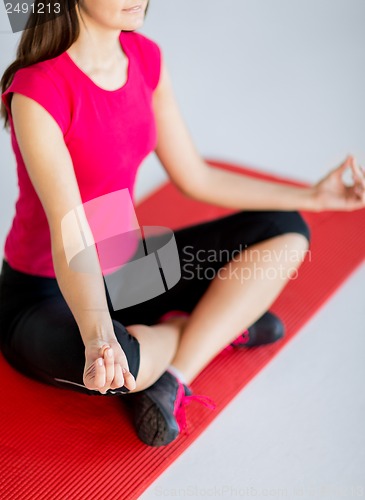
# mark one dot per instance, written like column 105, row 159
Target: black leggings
column 40, row 337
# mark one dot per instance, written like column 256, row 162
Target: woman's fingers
column 113, row 374
column 109, row 371
column 346, row 164
column 109, row 367
column 99, row 379
column 129, row 381
column 356, row 168
column 358, row 176
column 122, row 376
column 118, row 377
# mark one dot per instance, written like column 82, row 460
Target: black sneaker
column 266, row 330
column 158, row 411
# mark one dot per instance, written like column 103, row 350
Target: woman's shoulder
column 46, row 74
column 41, row 82
column 147, row 52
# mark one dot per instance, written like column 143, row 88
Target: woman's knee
column 293, row 222
column 295, row 247
column 259, row 225
column 294, row 235
column 157, row 348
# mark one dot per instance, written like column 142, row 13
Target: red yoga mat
column 59, row 444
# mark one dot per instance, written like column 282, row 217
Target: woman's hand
column 105, row 362
column 332, row 193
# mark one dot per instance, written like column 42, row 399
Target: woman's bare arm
column 51, row 172
column 197, row 179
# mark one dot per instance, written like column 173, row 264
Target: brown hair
column 45, row 36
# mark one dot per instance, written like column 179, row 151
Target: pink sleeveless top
column 108, row 134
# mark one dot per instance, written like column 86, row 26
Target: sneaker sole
column 152, row 426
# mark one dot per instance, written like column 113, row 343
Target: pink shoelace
column 239, row 341
column 242, row 339
column 182, row 401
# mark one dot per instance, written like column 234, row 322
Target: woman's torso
column 107, row 132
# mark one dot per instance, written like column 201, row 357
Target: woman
column 85, row 99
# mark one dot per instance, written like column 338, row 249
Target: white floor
column 296, row 431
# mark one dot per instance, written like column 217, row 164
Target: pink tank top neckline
column 90, row 81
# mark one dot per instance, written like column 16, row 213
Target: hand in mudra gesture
column 105, row 362
column 334, row 194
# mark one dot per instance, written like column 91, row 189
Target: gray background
column 277, row 85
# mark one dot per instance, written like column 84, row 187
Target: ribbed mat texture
column 58, row 444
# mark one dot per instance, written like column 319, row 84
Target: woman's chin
column 133, row 25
